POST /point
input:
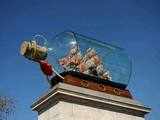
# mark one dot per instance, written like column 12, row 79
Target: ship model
column 90, row 63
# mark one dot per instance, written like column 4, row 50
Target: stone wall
column 72, row 111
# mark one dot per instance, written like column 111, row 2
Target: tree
column 7, row 107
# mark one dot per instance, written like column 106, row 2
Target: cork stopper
column 24, row 47
column 33, row 51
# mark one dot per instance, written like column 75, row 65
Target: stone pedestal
column 68, row 102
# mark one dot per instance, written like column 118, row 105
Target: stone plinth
column 68, row 102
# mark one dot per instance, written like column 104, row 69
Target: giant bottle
column 70, row 51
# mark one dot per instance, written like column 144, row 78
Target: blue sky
column 130, row 24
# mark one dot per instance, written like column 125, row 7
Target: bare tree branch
column 7, row 107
